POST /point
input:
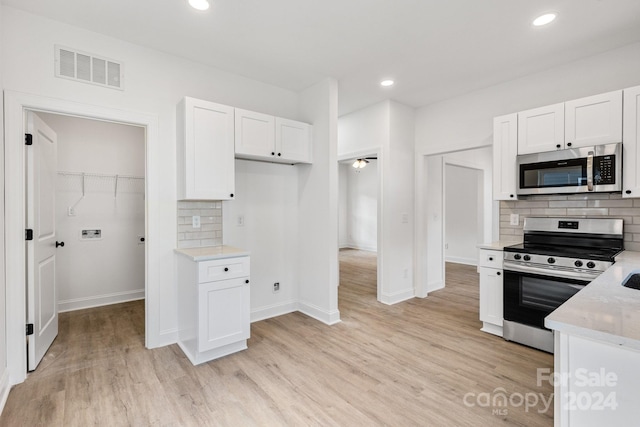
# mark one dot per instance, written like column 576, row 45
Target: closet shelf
column 106, row 179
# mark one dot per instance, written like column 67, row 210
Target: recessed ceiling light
column 199, row 4
column 387, row 83
column 544, row 19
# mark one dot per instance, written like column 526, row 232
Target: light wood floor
column 410, row 364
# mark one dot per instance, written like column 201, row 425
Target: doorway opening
column 358, row 222
column 98, row 220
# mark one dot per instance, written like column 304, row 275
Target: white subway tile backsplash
column 578, row 205
column 210, row 231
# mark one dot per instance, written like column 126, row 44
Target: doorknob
column 59, row 244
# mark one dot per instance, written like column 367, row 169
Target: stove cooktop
column 586, row 253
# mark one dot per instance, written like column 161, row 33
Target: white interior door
column 41, row 167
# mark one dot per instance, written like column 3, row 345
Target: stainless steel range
column 559, row 257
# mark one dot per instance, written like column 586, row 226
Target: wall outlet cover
column 195, row 221
column 514, row 219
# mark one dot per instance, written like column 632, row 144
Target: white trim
column 328, row 318
column 397, row 297
column 5, row 388
column 435, row 286
column 366, row 248
column 462, row 260
column 99, row 300
column 490, row 328
column 367, row 152
column 274, row 310
column 15, row 105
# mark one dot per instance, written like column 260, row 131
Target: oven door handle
column 567, row 274
column 590, row 171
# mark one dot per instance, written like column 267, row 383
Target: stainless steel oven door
column 530, row 295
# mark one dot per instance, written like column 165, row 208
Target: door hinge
column 28, row 139
column 29, row 329
column 28, row 234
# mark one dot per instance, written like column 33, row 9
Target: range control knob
column 551, row 260
column 591, row 264
column 527, row 258
column 578, row 263
column 517, row 256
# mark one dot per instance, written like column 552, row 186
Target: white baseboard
column 99, row 300
column 360, row 247
column 166, row 337
column 397, row 297
column 328, row 318
column 435, row 286
column 462, row 260
column 275, row 310
column 5, row 387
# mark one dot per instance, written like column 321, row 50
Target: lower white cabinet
column 491, row 279
column 213, row 307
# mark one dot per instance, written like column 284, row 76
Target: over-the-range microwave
column 594, row 169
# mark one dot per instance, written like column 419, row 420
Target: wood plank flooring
column 411, row 364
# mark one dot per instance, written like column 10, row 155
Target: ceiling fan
column 362, row 162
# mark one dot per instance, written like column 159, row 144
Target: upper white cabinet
column 274, row 139
column 205, row 150
column 631, row 145
column 255, row 134
column 505, row 149
column 541, row 129
column 293, row 140
column 594, row 120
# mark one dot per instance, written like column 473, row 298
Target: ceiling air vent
column 89, row 68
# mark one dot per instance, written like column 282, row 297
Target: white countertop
column 211, row 252
column 499, row 245
column 604, row 310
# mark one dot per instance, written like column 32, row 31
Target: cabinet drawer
column 491, row 258
column 223, row 269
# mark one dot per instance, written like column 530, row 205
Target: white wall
column 267, row 199
column 318, row 203
column 4, row 373
column 343, row 208
column 154, row 84
column 362, row 206
column 397, row 198
column 463, row 217
column 97, row 272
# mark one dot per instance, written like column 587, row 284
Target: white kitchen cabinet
column 293, row 140
column 491, row 279
column 593, row 120
column 541, row 129
column 274, row 139
column 213, row 307
column 205, row 150
column 505, row 149
column 631, row 143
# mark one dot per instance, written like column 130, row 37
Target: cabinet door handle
column 231, row 195
column 498, row 273
column 273, row 153
column 59, row 244
column 490, row 258
column 558, row 146
column 628, row 192
column 226, row 269
column 568, row 144
column 246, row 281
column 279, row 154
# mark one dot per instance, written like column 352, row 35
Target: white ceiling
column 434, row 49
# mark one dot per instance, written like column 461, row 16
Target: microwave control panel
column 604, row 170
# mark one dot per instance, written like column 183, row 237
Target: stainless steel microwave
column 594, row 169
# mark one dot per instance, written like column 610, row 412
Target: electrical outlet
column 276, row 286
column 514, row 219
column 195, row 221
column 446, row 246
column 71, row 211
column 240, row 221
